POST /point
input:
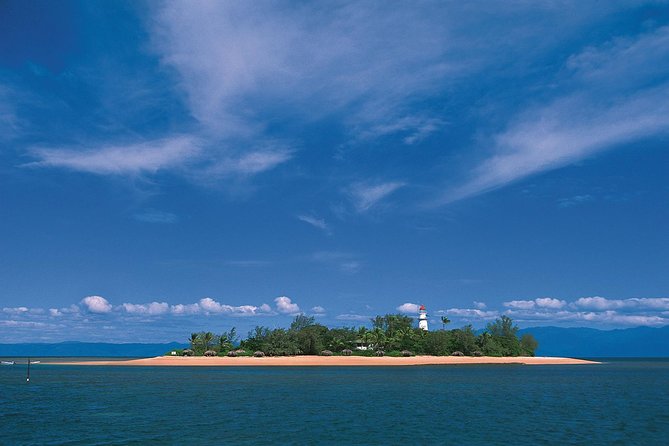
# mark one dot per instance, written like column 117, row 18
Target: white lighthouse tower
column 422, row 318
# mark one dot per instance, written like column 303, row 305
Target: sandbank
column 330, row 361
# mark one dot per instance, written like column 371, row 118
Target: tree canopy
column 390, row 333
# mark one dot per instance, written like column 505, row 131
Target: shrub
column 326, row 353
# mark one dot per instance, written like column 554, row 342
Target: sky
column 169, row 167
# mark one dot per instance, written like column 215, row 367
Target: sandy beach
column 330, row 361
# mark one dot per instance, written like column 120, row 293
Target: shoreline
column 329, row 361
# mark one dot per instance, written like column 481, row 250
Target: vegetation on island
column 391, row 335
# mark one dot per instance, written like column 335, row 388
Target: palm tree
column 193, row 340
column 378, row 337
column 206, row 339
column 444, row 322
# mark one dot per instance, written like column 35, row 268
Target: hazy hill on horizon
column 590, row 342
column 553, row 341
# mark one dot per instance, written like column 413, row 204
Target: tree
column 227, row 340
column 463, row 340
column 311, row 339
column 444, row 321
column 206, row 339
column 193, row 340
column 528, row 344
column 302, row 321
column 504, row 337
column 437, row 343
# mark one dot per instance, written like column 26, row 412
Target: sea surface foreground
column 618, row 402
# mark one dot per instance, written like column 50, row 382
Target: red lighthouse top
column 422, row 308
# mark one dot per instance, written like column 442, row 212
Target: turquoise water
column 620, row 402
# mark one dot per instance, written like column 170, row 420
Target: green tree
column 206, row 340
column 302, row 321
column 504, row 337
column 193, row 340
column 437, row 343
column 463, row 340
column 444, row 322
column 528, row 344
column 227, row 340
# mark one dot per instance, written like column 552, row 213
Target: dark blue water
column 621, row 402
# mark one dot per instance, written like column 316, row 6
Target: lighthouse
column 422, row 318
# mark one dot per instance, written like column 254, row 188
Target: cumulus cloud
column 541, row 302
column 210, row 306
column 15, row 310
column 318, row 310
column 185, row 309
column 152, row 309
column 548, row 302
column 522, row 304
column 96, row 304
column 602, row 303
column 470, row 313
column 285, row 305
column 408, row 308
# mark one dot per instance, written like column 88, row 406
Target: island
column 393, row 340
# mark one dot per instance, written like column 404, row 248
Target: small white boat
column 35, row 362
column 7, row 362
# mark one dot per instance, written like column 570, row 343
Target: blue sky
column 179, row 166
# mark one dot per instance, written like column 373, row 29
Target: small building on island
column 422, row 318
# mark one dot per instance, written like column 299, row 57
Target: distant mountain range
column 589, row 342
column 553, row 341
column 88, row 349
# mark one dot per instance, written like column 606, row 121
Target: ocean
column 623, row 402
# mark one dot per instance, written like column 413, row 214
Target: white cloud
column 151, row 309
column 285, row 305
column 521, row 304
column 236, row 59
column 470, row 313
column 548, row 302
column 210, row 306
column 185, row 309
column 366, row 195
column 612, row 101
column 602, row 303
column 55, row 312
column 96, row 304
column 408, row 308
column 15, row 310
column 315, row 222
column 318, row 310
column 480, row 305
column 129, row 159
